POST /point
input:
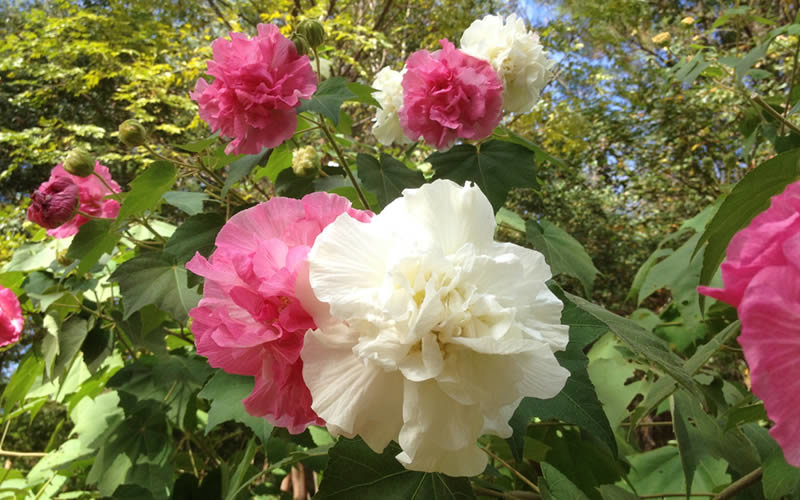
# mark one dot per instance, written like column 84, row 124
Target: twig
column 510, row 495
column 513, row 470
column 757, row 99
column 669, row 495
column 22, row 454
column 740, row 484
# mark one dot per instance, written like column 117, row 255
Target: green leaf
column 95, row 238
column 780, row 480
column 506, row 217
column 279, row 160
column 144, row 328
column 189, row 202
column 387, row 178
column 557, row 486
column 355, row 471
column 29, row 369
column 351, row 194
column 363, row 93
column 32, row 256
column 541, row 155
column 147, row 189
column 226, row 392
column 665, row 386
column 496, row 168
column 197, row 146
column 642, row 342
column 643, row 271
column 153, row 279
column 137, row 449
column 659, row 470
column 611, row 492
column 577, row 403
column 70, row 338
column 703, row 435
column 241, row 168
column 328, row 98
column 747, row 199
column 747, row 62
column 196, row 234
column 562, row 252
column 241, row 469
column 171, row 379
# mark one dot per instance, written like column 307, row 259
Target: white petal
column 439, row 434
column 450, row 215
column 353, row 397
column 347, row 265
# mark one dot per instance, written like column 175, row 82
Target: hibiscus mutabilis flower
column 259, row 83
column 515, row 53
column 11, row 319
column 65, row 202
column 429, row 333
column 762, row 281
column 449, row 95
column 250, row 320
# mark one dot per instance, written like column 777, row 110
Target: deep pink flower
column 259, row 83
column 10, row 317
column 250, row 320
column 54, row 203
column 50, row 212
column 762, row 280
column 449, row 94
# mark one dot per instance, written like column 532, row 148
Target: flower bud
column 661, row 39
column 301, row 44
column 132, row 133
column 304, row 160
column 54, row 203
column 313, row 31
column 79, row 163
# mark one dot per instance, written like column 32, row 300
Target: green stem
column 740, row 484
column 757, row 99
column 346, row 167
column 143, row 221
column 791, row 83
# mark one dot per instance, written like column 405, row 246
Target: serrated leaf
column 196, row 234
column 189, row 202
column 153, row 279
column 171, row 379
column 388, row 177
column 363, row 93
column 279, row 160
column 95, row 238
column 558, row 486
column 496, row 168
column 355, row 471
column 226, row 392
column 328, row 98
column 147, row 189
column 241, row 168
column 577, row 403
column 643, row 343
column 31, row 367
column 747, row 199
column 562, row 252
column 197, row 146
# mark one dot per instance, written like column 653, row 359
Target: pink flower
column 51, row 201
column 259, row 83
column 251, row 320
column 10, row 317
column 762, row 280
column 449, row 94
column 54, row 203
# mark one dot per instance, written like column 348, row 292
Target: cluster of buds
column 308, row 36
column 304, row 160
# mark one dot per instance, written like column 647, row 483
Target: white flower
column 515, row 53
column 429, row 332
column 387, row 128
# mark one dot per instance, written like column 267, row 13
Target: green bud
column 132, row 133
column 313, row 31
column 301, row 44
column 79, row 163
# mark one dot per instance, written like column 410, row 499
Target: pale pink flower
column 762, row 280
column 53, row 199
column 10, row 317
column 448, row 95
column 250, row 320
column 259, row 83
